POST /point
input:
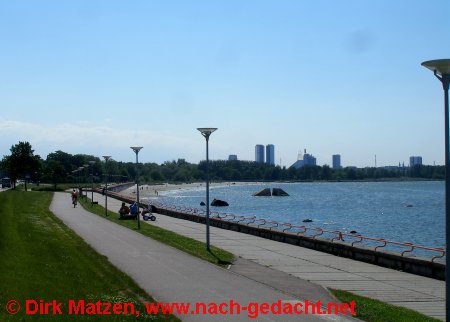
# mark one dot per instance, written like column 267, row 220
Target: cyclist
column 74, row 198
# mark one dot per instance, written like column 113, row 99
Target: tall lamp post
column 92, row 182
column 136, row 150
column 206, row 132
column 106, row 157
column 80, row 170
column 85, row 173
column 75, row 177
column 441, row 69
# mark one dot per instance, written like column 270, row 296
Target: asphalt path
column 170, row 275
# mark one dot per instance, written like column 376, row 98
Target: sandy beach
column 155, row 190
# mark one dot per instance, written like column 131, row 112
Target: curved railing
column 335, row 236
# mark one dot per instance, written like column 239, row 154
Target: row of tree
column 60, row 167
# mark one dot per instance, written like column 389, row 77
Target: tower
column 337, row 161
column 270, row 154
column 259, row 153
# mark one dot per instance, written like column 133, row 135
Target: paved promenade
column 419, row 293
column 170, row 275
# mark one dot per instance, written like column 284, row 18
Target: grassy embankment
column 191, row 246
column 51, row 187
column 42, row 259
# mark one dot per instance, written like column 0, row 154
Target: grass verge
column 191, row 246
column 43, row 260
column 371, row 310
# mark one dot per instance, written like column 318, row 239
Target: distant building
column 270, row 154
column 305, row 159
column 259, row 153
column 337, row 161
column 232, row 157
column 413, row 161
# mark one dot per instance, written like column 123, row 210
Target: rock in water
column 219, row 203
column 202, row 204
column 279, row 192
column 307, row 220
column 263, row 193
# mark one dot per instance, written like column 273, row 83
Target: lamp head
column 206, row 131
column 136, row 149
column 439, row 66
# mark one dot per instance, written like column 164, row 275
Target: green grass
column 42, row 259
column 371, row 310
column 59, row 186
column 191, row 246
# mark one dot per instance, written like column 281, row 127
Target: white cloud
column 90, row 138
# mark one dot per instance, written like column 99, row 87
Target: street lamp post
column 136, row 150
column 106, row 157
column 441, row 69
column 206, row 132
column 80, row 170
column 85, row 174
column 92, row 182
column 75, row 178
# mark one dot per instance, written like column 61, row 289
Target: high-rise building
column 415, row 161
column 259, row 153
column 232, row 157
column 270, row 154
column 337, row 161
column 305, row 159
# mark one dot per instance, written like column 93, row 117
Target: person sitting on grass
column 134, row 209
column 124, row 210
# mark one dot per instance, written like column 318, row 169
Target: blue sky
column 97, row 77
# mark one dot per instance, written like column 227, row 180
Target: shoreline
column 153, row 190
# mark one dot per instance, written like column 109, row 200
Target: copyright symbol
column 13, row 307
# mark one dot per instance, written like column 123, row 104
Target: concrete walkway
column 170, row 275
column 419, row 293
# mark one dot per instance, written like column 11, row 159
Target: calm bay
column 404, row 211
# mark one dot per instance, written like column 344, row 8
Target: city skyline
column 98, row 77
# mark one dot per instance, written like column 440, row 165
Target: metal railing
column 334, row 236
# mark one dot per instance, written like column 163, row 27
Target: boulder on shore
column 263, row 193
column 219, row 203
column 279, row 192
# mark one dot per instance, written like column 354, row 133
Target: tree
column 155, row 175
column 54, row 171
column 326, row 172
column 22, row 162
column 65, row 159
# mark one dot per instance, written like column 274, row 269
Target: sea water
column 411, row 211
